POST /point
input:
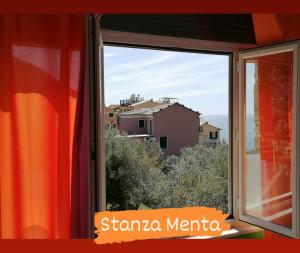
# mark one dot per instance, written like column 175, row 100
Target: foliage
column 133, row 174
column 140, row 176
column 199, row 177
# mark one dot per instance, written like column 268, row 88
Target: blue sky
column 199, row 81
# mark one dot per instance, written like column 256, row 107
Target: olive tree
column 139, row 175
column 134, row 178
column 199, row 177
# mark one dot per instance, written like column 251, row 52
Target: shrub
column 140, row 176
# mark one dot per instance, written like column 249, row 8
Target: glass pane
column 166, row 162
column 269, row 88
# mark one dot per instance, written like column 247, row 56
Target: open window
column 269, row 138
column 263, row 128
column 156, row 157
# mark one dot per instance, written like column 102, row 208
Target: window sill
column 237, row 228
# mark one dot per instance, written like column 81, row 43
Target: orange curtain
column 41, row 69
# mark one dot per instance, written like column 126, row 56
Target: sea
column 222, row 121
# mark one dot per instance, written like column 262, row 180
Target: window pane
column 162, row 161
column 269, row 82
column 163, row 142
column 141, row 123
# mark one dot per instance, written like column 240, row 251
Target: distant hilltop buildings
column 172, row 124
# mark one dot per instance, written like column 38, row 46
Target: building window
column 150, row 126
column 213, row 135
column 200, row 129
column 163, row 142
column 110, row 115
column 141, row 123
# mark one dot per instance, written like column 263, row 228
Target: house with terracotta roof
column 209, row 134
column 144, row 104
column 111, row 112
column 137, row 105
column 110, row 116
column 174, row 126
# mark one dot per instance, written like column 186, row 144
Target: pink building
column 173, row 125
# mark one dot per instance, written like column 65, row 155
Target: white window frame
column 243, row 56
column 140, row 40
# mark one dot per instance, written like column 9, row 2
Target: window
column 141, row 123
column 265, row 145
column 155, row 140
column 150, row 126
column 163, row 142
column 269, row 159
column 213, row 135
column 200, row 129
column 110, row 114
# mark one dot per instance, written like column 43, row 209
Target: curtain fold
column 80, row 189
column 42, row 69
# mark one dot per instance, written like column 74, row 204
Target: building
column 126, row 104
column 174, row 126
column 144, row 104
column 209, row 134
column 133, row 103
column 110, row 116
column 125, row 107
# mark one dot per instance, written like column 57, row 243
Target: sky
column 199, row 81
column 250, row 82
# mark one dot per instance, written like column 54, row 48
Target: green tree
column 134, row 178
column 199, row 177
column 139, row 175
